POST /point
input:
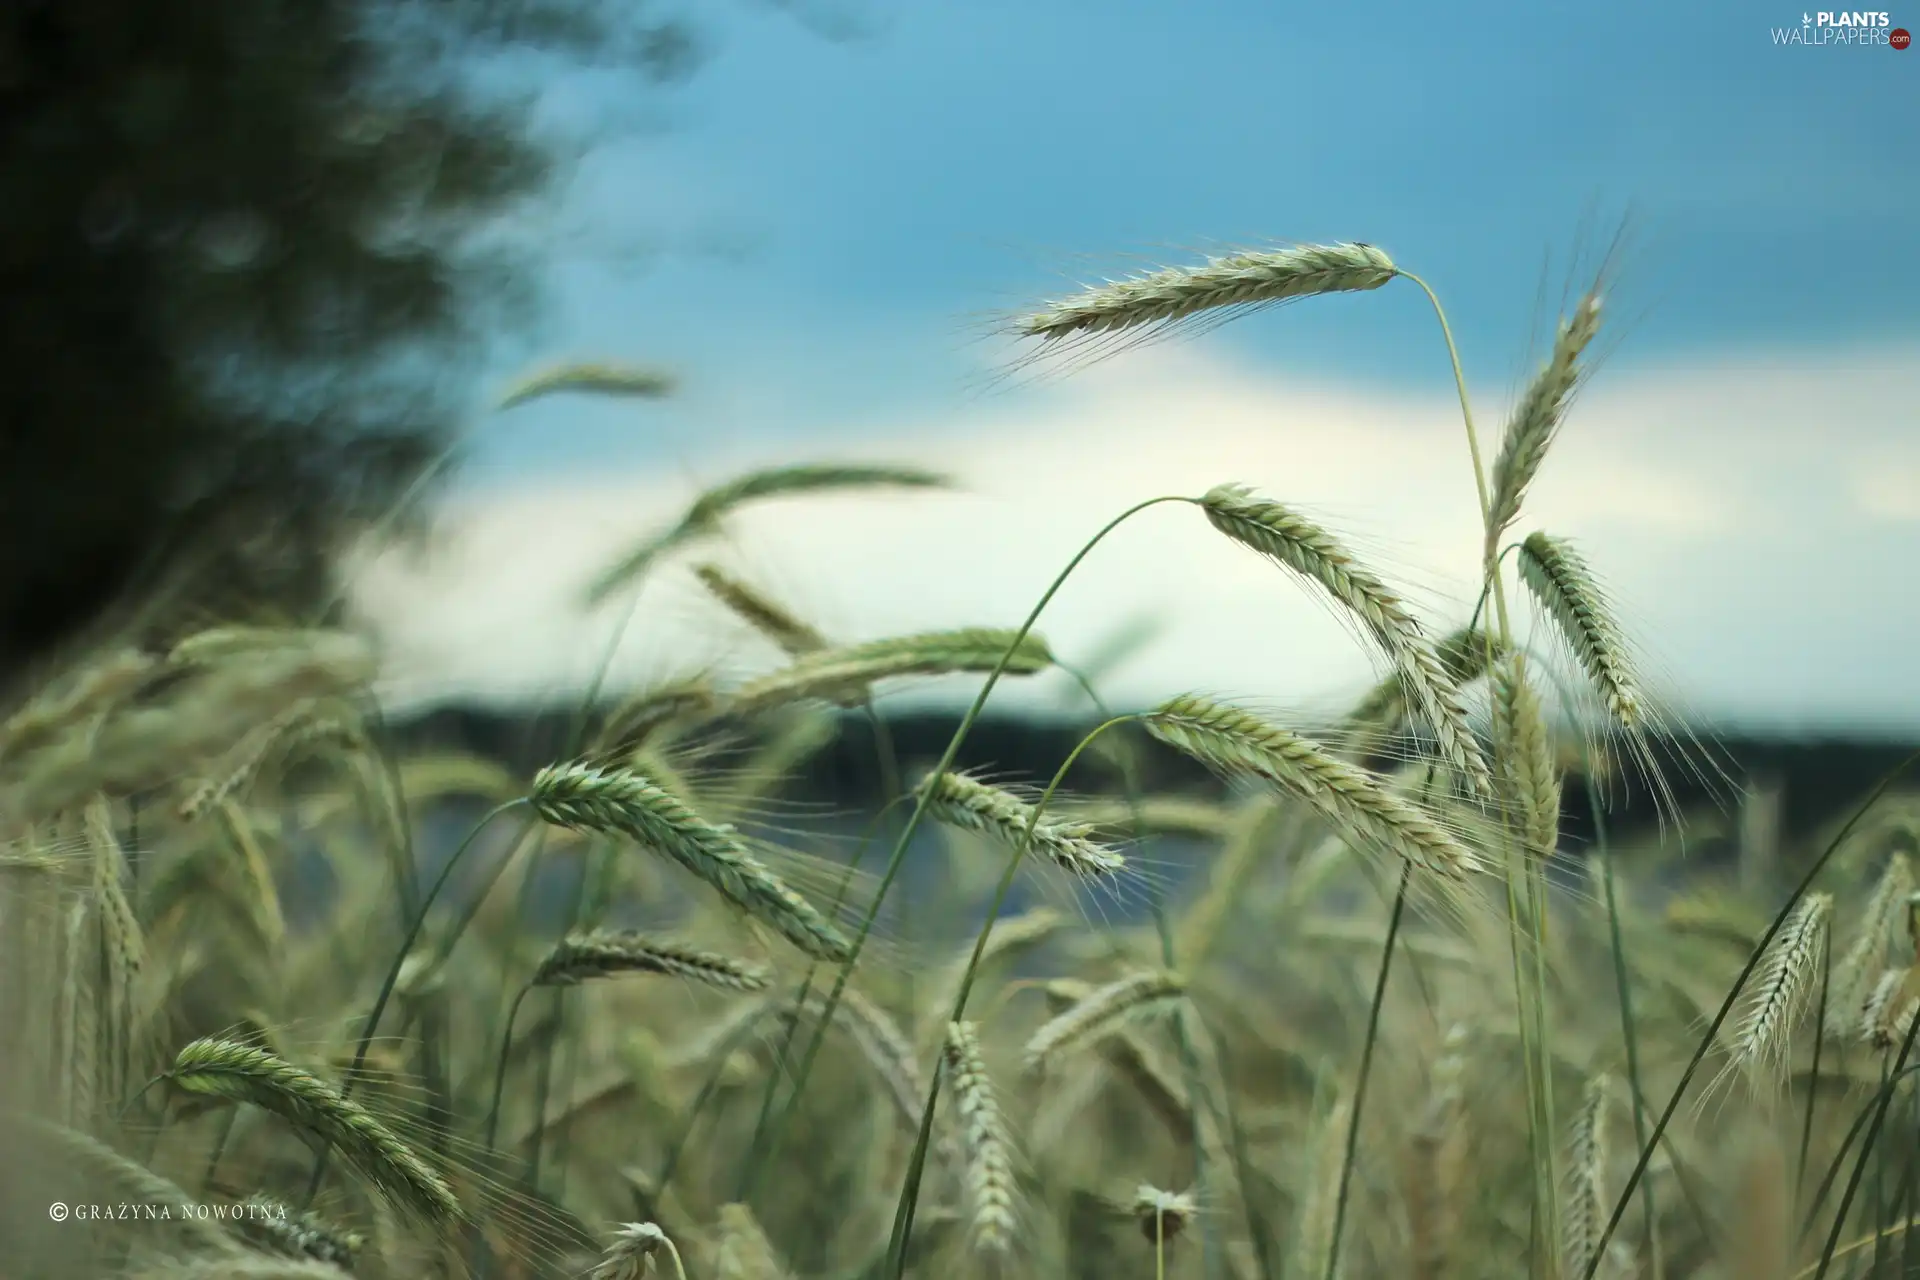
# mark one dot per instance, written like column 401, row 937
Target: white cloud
column 1753, row 519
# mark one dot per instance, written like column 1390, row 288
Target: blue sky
column 824, row 224
column 815, row 235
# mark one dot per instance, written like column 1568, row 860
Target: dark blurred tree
column 250, row 257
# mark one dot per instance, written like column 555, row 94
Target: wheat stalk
column 1303, row 546
column 1238, row 742
column 622, row 802
column 1245, row 279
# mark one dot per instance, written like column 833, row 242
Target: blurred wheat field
column 1362, row 1009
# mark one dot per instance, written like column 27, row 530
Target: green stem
column 500, row 1069
column 1366, row 1070
column 916, row 1166
column 372, row 1023
column 912, row 825
column 1712, row 1034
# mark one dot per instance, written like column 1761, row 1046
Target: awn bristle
column 1304, row 547
column 989, row 1166
column 765, row 615
column 1528, row 779
column 1588, row 1202
column 972, row 805
column 622, row 802
column 244, row 1073
column 603, row 953
column 1881, row 923
column 845, row 675
column 1238, row 742
column 1136, row 996
column 1244, row 279
column 592, row 379
column 1765, row 1031
column 1567, row 590
column 1538, row 417
column 634, row 722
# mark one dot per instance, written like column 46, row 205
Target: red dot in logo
column 1899, row 38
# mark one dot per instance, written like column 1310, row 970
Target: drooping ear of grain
column 1238, row 742
column 1137, row 996
column 754, row 607
column 244, row 1073
column 1301, row 545
column 603, row 953
column 590, row 379
column 703, row 517
column 972, row 805
column 1241, row 280
column 1570, row 595
column 621, row 802
column 846, row 675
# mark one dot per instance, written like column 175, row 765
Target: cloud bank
column 1756, row 521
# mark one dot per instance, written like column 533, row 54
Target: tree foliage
column 247, row 263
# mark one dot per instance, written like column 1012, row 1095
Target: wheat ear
column 1538, row 417
column 1436, row 1180
column 1238, row 742
column 1879, row 926
column 989, row 1165
column 630, row 1256
column 1301, row 545
column 273, row 1226
column 243, row 1073
column 846, row 675
column 622, row 802
column 1569, row 593
column 1240, row 280
column 1587, row 1198
column 972, row 805
column 591, row 378
column 703, row 517
column 745, row 1252
column 1136, row 996
column 1529, row 781
column 602, row 953
column 1765, row 1031
column 765, row 615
